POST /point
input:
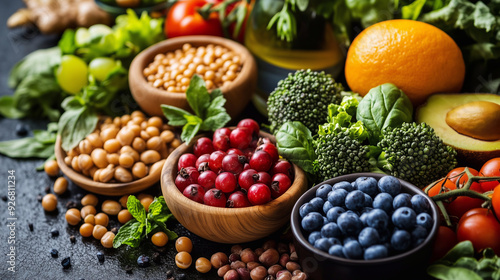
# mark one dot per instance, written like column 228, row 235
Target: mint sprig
column 209, row 110
column 135, row 230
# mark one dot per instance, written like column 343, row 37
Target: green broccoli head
column 303, row 96
column 414, row 153
column 339, row 154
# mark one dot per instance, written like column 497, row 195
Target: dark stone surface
column 32, row 248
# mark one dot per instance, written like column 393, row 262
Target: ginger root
column 54, row 16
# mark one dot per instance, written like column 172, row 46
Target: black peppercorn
column 143, row 261
column 128, row 269
column 54, row 253
column 72, row 239
column 156, row 258
column 66, row 262
column 170, row 273
column 30, row 226
column 54, row 232
column 21, row 129
column 180, row 276
column 100, row 256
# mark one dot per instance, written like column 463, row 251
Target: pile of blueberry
column 366, row 219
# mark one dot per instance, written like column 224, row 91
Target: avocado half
column 471, row 152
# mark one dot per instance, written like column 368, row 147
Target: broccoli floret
column 414, row 153
column 303, row 96
column 339, row 154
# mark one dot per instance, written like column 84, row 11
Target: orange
column 417, row 57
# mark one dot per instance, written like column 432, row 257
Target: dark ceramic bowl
column 320, row 265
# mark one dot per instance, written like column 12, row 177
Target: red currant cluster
column 234, row 169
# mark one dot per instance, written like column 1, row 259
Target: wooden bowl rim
column 109, row 189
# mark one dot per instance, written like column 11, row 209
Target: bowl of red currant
column 232, row 186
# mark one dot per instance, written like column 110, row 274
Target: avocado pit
column 477, row 119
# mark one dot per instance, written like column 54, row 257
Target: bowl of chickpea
column 123, row 155
column 161, row 73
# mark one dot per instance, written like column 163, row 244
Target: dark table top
column 31, row 252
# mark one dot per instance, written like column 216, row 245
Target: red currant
column 280, row 184
column 221, row 140
column 240, row 138
column 235, row 151
column 261, row 161
column 282, row 166
column 207, row 179
column 226, row 182
column 215, row 161
column 264, row 178
column 237, row 200
column 259, row 194
column 201, row 159
column 247, row 178
column 251, row 124
column 203, row 146
column 186, row 160
column 186, row 176
column 215, row 197
column 233, row 163
column 222, row 131
column 194, row 192
column 270, row 149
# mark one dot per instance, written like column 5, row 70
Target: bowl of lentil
column 122, row 156
column 161, row 73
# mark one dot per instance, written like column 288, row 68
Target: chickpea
column 154, row 143
column 183, row 260
column 135, row 129
column 96, row 175
column 117, row 121
column 51, row 168
column 112, row 146
column 107, row 173
column 88, row 209
column 156, row 167
column 111, row 207
column 49, row 202
column 99, row 157
column 218, row 259
column 139, row 144
column 203, row 265
column 95, row 140
column 155, row 121
column 126, row 160
column 150, row 156
column 175, row 143
column 108, row 133
column 167, row 136
column 101, row 219
column 86, row 230
column 73, row 152
column 124, row 216
column 98, row 232
column 129, row 150
column 139, row 170
column 67, row 160
column 73, row 216
column 89, row 199
column 184, row 244
column 123, row 201
column 159, row 239
column 146, row 201
column 122, row 175
column 138, row 114
column 125, row 136
column 75, row 165
column 85, row 162
column 60, row 185
column 107, row 239
column 90, row 219
column 113, row 158
column 85, row 147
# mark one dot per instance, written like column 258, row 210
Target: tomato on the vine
column 490, row 169
column 495, row 201
column 453, row 175
column 183, row 19
column 444, row 184
column 445, row 240
column 481, row 228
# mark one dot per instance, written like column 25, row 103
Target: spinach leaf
column 384, row 106
column 35, row 63
column 75, row 124
column 135, row 208
column 27, row 147
column 129, row 234
column 443, row 272
column 295, row 142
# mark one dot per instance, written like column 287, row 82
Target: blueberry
column 368, row 237
column 100, row 256
column 331, row 230
column 143, row 261
column 420, row 204
column 315, row 235
column 368, row 201
column 376, row 252
column 21, row 129
column 378, row 219
column 401, row 200
column 335, row 241
column 425, row 220
column 66, row 262
column 336, row 250
column 363, row 218
column 384, row 234
column 337, row 197
column 354, row 185
column 327, row 206
column 383, row 201
column 317, row 203
column 305, row 209
column 390, row 185
column 348, row 239
column 404, row 218
column 349, row 223
column 323, row 244
column 333, row 214
column 54, row 253
column 367, row 185
column 401, row 240
column 419, row 232
column 353, row 250
column 323, row 190
column 355, row 200
column 343, row 185
column 312, row 221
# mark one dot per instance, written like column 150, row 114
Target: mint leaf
column 197, row 96
column 171, row 235
column 175, row 116
column 129, row 234
column 135, row 208
column 158, row 210
column 189, row 131
column 217, row 116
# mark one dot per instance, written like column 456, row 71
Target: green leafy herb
column 41, row 145
column 210, row 113
column 134, row 231
column 295, row 142
column 76, row 123
column 286, row 25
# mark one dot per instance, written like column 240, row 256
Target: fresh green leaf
column 462, row 249
column 135, row 208
column 44, row 136
column 175, row 116
column 197, row 96
column 67, row 44
column 295, row 142
column 370, row 12
column 158, row 210
column 412, row 11
column 189, row 131
column 171, row 234
column 8, row 108
column 27, row 147
column 36, row 63
column 443, row 272
column 75, row 125
column 302, row 4
column 217, row 116
column 129, row 234
column 384, row 106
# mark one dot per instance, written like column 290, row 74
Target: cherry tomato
column 481, row 228
column 445, row 184
column 490, row 169
column 453, row 175
column 463, row 204
column 183, row 19
column 445, row 240
column 495, row 201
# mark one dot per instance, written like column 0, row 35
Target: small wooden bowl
column 228, row 225
column 111, row 189
column 238, row 93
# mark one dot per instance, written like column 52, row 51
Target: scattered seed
column 180, row 276
column 156, row 257
column 72, row 238
column 114, row 230
column 21, row 129
column 66, row 262
column 54, row 232
column 73, row 204
column 100, row 256
column 4, row 197
column 128, row 269
column 30, row 225
column 39, row 197
column 47, row 189
column 143, row 261
column 170, row 273
column 54, row 253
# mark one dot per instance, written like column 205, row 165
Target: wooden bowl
column 228, row 225
column 238, row 93
column 111, row 189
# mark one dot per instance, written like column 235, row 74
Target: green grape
column 97, row 31
column 100, row 67
column 82, row 37
column 72, row 74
